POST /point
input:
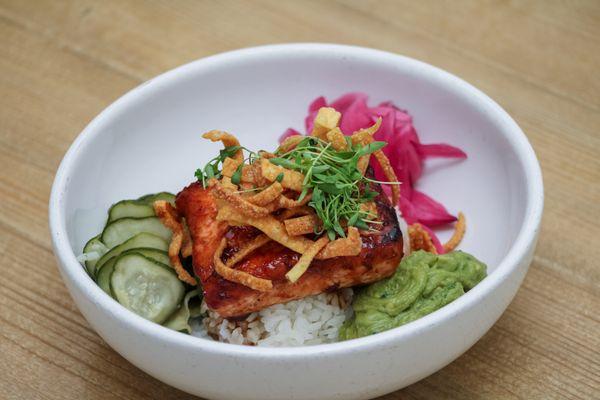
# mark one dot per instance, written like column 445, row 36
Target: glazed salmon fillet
column 381, row 252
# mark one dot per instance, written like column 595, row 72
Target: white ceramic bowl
column 149, row 140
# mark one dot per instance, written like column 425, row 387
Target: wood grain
column 62, row 62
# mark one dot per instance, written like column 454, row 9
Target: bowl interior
column 150, row 140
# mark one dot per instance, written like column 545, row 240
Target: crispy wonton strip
column 252, row 174
column 240, row 277
column 291, row 179
column 286, row 202
column 254, row 244
column 337, row 139
column 370, row 130
column 305, row 259
column 302, row 225
column 459, row 233
column 248, row 174
column 327, row 119
column 289, row 143
column 268, row 225
column 228, row 141
column 348, row 246
column 168, row 216
column 364, row 137
column 292, row 212
column 187, row 245
column 268, row 195
column 230, row 165
column 227, row 184
column 237, row 201
column 384, row 162
column 266, row 154
column 420, row 239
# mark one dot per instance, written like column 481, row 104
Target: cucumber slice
column 105, row 272
column 122, row 229
column 94, row 245
column 103, row 276
column 146, row 287
column 151, row 198
column 179, row 321
column 130, row 208
column 143, row 239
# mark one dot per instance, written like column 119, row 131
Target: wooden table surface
column 62, row 62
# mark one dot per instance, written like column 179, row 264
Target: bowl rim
column 72, row 270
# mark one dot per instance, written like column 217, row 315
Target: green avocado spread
column 423, row 283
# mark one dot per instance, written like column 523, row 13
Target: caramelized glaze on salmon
column 380, row 255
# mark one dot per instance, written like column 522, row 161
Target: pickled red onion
column 404, row 150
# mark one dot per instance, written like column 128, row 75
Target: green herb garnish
column 338, row 187
column 213, row 168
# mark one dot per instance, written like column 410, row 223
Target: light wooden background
column 62, row 62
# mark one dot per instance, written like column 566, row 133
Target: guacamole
column 423, row 283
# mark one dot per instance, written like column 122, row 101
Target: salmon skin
column 380, row 255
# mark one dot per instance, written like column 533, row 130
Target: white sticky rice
column 312, row 320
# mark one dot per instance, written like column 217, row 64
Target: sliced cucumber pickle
column 146, row 287
column 151, row 198
column 94, row 245
column 105, row 272
column 103, row 277
column 131, row 209
column 146, row 240
column 119, row 231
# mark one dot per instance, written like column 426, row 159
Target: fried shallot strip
column 384, row 162
column 169, row 217
column 228, row 141
column 227, row 184
column 286, row 202
column 234, row 275
column 254, row 244
column 292, row 212
column 237, row 201
column 289, row 143
column 351, row 245
column 370, row 131
column 267, row 196
column 306, row 258
column 420, row 239
column 364, row 137
column 230, row 165
column 459, row 233
column 337, row 139
column 302, row 225
column 250, row 174
column 266, row 154
column 291, row 179
column 269, row 225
